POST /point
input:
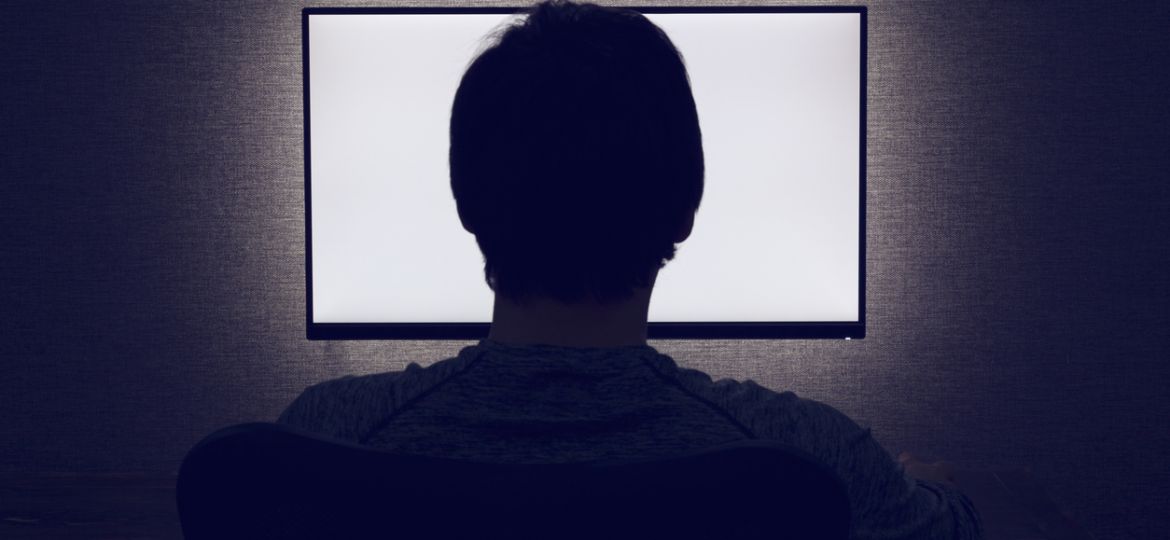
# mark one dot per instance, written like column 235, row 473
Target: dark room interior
column 152, row 267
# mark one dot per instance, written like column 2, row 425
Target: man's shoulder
column 767, row 413
column 341, row 407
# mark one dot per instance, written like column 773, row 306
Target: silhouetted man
column 577, row 162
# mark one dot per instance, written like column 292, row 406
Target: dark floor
column 139, row 507
column 65, row 506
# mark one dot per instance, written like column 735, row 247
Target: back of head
column 576, row 154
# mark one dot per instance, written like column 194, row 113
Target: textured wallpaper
column 152, row 253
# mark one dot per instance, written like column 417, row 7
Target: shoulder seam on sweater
column 418, row 397
column 715, row 407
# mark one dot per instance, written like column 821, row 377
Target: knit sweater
column 547, row 404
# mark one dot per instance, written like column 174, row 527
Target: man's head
column 576, row 157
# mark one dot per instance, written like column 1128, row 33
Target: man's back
column 541, row 404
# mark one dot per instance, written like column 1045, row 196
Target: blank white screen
column 775, row 238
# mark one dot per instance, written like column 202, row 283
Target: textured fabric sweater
column 547, row 404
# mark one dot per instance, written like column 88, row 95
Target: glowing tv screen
column 778, row 246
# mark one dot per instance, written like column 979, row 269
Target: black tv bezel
column 655, row 330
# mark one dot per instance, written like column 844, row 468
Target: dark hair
column 576, row 155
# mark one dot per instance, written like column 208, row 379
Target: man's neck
column 549, row 322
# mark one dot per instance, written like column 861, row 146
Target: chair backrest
column 264, row 480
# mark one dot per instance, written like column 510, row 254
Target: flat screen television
column 778, row 247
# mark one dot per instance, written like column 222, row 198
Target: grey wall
column 151, row 263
